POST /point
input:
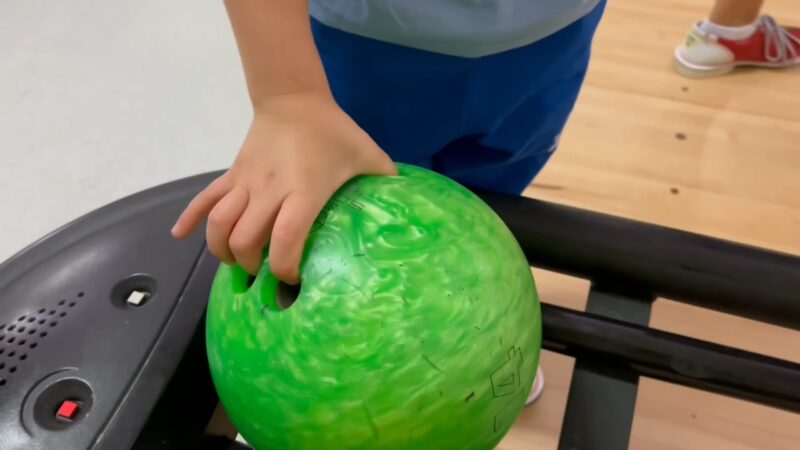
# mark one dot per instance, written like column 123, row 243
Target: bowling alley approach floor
column 719, row 157
column 98, row 101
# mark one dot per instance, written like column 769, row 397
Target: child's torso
column 467, row 28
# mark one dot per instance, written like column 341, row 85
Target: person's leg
column 409, row 101
column 519, row 102
column 735, row 34
column 490, row 122
column 735, row 13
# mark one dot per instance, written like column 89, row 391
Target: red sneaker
column 771, row 45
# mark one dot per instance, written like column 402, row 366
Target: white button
column 136, row 298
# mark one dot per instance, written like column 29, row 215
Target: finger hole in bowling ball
column 286, row 295
column 242, row 280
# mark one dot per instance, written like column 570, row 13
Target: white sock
column 730, row 33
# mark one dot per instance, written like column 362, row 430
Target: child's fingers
column 221, row 220
column 200, row 206
column 292, row 225
column 251, row 233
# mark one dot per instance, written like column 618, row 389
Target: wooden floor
column 720, row 157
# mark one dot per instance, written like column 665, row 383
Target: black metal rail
column 674, row 358
column 691, row 268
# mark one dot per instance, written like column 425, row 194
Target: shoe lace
column 779, row 43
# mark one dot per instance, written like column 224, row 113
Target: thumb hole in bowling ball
column 286, row 294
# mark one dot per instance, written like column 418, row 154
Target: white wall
column 99, row 100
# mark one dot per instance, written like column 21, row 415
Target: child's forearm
column 276, row 47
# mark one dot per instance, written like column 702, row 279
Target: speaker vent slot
column 20, row 337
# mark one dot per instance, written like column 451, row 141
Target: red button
column 68, row 410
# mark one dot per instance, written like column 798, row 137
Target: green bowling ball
column 417, row 325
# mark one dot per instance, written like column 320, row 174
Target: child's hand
column 300, row 149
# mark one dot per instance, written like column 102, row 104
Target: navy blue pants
column 490, row 122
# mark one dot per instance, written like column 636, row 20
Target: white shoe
column 538, row 387
column 771, row 45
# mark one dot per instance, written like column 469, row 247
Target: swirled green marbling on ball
column 417, row 326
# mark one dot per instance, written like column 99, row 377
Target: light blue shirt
column 466, row 28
